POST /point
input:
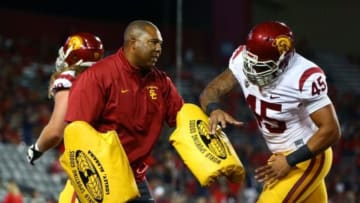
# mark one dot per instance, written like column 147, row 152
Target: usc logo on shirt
column 152, row 92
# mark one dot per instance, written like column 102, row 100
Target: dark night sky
column 206, row 23
column 197, row 17
column 162, row 12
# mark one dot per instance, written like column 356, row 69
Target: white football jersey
column 63, row 81
column 282, row 110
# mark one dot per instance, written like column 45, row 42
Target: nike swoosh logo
column 274, row 97
column 124, row 91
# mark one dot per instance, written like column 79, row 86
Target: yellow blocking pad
column 97, row 165
column 67, row 195
column 207, row 156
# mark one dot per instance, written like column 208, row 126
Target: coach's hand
column 33, row 154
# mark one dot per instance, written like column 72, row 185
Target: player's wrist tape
column 300, row 155
column 211, row 107
column 36, row 147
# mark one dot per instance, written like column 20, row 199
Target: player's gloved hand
column 33, row 154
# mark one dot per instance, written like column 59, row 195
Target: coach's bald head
column 137, row 28
column 142, row 44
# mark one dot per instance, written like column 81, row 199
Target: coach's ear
column 208, row 156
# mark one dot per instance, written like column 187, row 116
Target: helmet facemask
column 269, row 47
column 261, row 73
column 61, row 63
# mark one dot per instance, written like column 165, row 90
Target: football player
column 79, row 52
column 287, row 94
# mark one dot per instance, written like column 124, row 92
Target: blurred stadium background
column 199, row 37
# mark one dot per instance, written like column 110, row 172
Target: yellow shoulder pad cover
column 97, row 165
column 207, row 156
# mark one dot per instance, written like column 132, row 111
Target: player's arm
column 210, row 99
column 218, row 87
column 314, row 92
column 329, row 130
column 328, row 133
column 52, row 134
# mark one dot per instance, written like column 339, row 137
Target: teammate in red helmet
column 80, row 51
column 287, row 94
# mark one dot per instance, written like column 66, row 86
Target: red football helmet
column 82, row 49
column 269, row 47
